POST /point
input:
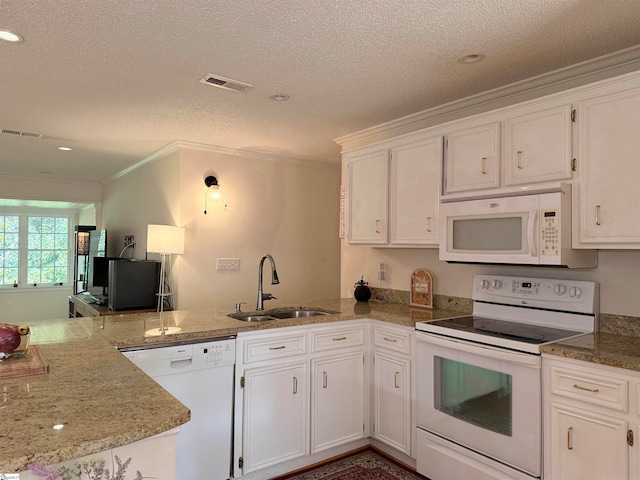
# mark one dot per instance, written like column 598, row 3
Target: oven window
column 473, row 394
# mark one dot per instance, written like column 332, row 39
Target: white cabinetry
column 368, row 180
column 590, row 422
column 275, row 414
column 473, row 158
column 609, row 142
column 299, row 391
column 392, row 406
column 536, row 147
column 338, row 385
column 394, row 192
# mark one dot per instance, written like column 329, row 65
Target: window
column 34, row 249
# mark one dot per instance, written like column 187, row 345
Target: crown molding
column 580, row 74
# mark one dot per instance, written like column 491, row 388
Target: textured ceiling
column 117, row 80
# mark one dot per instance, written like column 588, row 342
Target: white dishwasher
column 200, row 375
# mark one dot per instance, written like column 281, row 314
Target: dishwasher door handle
column 180, row 362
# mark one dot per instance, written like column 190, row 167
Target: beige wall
column 617, row 274
column 279, row 206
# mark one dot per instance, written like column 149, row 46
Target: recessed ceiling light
column 279, row 97
column 65, row 149
column 471, row 58
column 10, row 36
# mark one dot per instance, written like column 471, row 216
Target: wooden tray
column 31, row 363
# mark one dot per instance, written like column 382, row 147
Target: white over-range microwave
column 524, row 229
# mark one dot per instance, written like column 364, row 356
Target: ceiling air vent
column 21, row 134
column 226, row 83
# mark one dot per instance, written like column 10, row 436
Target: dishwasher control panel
column 183, row 357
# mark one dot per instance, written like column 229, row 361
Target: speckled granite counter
column 604, row 348
column 103, row 400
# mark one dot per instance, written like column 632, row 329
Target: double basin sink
column 278, row 314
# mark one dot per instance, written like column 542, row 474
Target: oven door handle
column 530, row 360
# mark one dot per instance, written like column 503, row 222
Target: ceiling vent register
column 225, row 83
column 21, row 134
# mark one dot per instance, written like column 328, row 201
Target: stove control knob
column 575, row 292
column 560, row 289
column 497, row 284
column 485, row 284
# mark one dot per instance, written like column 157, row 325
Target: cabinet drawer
column 331, row 339
column 392, row 339
column 591, row 387
column 260, row 349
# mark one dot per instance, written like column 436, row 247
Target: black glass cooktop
column 521, row 332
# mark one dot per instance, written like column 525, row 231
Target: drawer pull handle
column 324, row 379
column 519, row 159
column 295, row 385
column 598, row 215
column 428, row 225
column 570, row 438
column 378, row 226
column 387, row 339
column 395, row 380
column 630, row 438
column 484, row 164
column 277, row 348
column 594, row 390
column 339, row 338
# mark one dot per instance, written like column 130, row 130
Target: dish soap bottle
column 362, row 292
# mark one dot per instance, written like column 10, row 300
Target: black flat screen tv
column 133, row 284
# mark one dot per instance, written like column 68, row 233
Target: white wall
column 279, row 206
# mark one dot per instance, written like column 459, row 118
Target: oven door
column 484, row 398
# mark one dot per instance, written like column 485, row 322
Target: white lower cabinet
column 299, row 391
column 337, row 400
column 591, row 417
column 275, row 414
column 391, row 386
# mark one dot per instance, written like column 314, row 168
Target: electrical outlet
column 128, row 240
column 228, row 264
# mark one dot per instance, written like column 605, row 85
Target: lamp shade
column 165, row 239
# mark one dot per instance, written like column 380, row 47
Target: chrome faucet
column 274, row 281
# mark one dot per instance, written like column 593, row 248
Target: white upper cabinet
column 538, row 146
column 367, row 215
column 473, row 158
column 524, row 144
column 609, row 168
column 414, row 195
column 394, row 192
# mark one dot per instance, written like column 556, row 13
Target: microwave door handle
column 533, row 251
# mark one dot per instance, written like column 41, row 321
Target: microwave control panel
column 550, row 233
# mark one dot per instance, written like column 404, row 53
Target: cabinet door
column 414, row 193
column 368, row 198
column 337, row 400
column 275, row 415
column 587, row 445
column 392, row 401
column 473, row 159
column 538, row 146
column 608, row 166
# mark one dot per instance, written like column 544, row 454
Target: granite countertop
column 610, row 349
column 90, row 384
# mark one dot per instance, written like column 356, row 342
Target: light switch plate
column 228, row 264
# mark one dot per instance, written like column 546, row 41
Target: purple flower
column 39, row 469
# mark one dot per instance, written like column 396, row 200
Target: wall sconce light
column 214, row 192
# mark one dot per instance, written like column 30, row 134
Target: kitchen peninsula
column 103, row 400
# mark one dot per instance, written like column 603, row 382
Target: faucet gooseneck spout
column 274, row 281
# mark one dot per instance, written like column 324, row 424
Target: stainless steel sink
column 298, row 313
column 278, row 314
column 252, row 318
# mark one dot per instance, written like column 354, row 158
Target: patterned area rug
column 367, row 465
